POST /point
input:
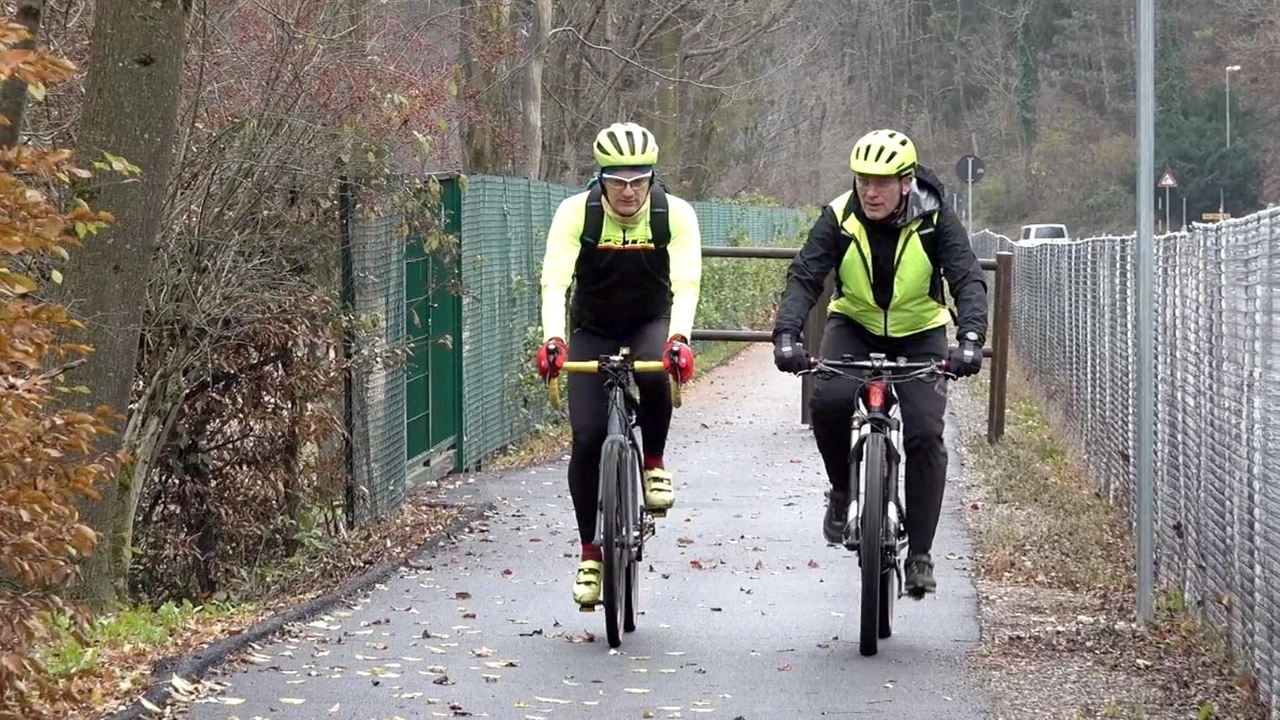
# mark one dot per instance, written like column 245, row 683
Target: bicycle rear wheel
column 871, row 540
column 613, row 475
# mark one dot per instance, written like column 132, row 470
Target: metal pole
column 1184, row 214
column 1166, row 211
column 969, row 212
column 1144, row 301
column 1228, row 74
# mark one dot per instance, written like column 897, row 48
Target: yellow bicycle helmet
column 883, row 152
column 625, row 144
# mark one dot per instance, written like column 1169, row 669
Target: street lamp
column 1229, row 69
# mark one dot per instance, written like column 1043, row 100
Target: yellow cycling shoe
column 586, row 584
column 659, row 496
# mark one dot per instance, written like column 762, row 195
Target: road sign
column 1167, row 180
column 970, row 169
column 1213, row 216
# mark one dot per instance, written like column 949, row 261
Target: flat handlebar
column 916, row 369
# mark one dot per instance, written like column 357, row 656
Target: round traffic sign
column 970, row 169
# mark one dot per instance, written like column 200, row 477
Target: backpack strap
column 593, row 221
column 659, row 217
column 928, row 232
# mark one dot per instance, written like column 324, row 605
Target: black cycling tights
column 923, row 403
column 588, row 412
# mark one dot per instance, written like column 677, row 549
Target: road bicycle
column 622, row 520
column 875, row 528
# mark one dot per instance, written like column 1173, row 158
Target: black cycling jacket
column 952, row 254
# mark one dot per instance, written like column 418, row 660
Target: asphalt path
column 746, row 611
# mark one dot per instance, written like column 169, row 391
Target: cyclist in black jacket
column 891, row 240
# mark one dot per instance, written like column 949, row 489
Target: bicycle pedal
column 658, row 513
column 586, row 608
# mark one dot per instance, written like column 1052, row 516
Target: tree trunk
column 13, row 96
column 533, row 121
column 484, row 24
column 667, row 100
column 130, row 110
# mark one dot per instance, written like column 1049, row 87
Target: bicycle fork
column 895, row 532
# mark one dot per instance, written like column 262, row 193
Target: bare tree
column 538, row 38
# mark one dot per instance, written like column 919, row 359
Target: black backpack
column 659, row 218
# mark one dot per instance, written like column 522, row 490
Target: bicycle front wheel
column 870, row 545
column 613, row 473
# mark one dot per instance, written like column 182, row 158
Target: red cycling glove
column 551, row 357
column 677, row 358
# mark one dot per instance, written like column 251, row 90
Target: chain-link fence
column 373, row 293
column 504, row 229
column 1217, row 429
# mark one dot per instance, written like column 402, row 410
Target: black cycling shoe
column 919, row 580
column 836, row 518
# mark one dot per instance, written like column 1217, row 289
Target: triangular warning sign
column 1167, row 181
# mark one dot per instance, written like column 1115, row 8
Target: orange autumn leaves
column 47, row 455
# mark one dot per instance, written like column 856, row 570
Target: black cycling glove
column 789, row 355
column 966, row 359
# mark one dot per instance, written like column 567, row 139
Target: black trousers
column 589, row 417
column 922, row 402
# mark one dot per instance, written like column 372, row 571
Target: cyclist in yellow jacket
column 891, row 240
column 635, row 253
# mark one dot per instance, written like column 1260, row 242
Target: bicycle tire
column 612, row 457
column 870, row 545
column 890, row 580
column 635, row 531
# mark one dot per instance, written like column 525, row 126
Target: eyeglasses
column 618, row 183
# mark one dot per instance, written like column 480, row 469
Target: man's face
column 626, row 188
column 880, row 195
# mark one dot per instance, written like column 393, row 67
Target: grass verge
column 1054, row 566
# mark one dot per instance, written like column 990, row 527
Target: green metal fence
column 467, row 311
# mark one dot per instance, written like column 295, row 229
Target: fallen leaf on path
column 481, row 652
column 292, row 701
column 784, row 667
column 500, row 663
column 636, row 691
column 460, row 595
